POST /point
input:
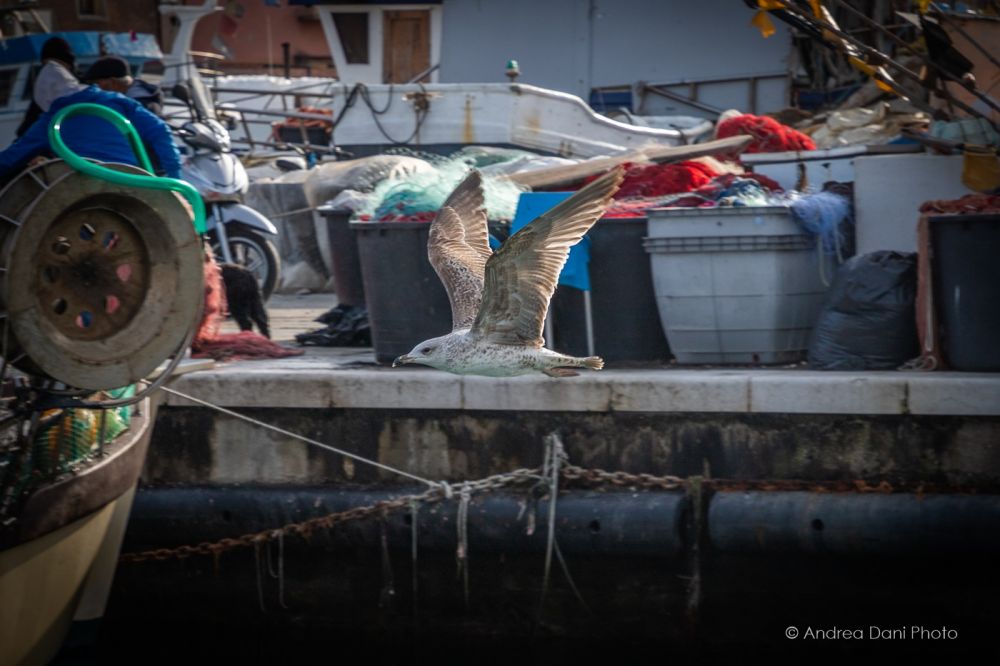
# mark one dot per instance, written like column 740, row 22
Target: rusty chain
column 571, row 473
column 622, row 479
column 307, row 527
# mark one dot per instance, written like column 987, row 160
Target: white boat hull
column 48, row 582
column 456, row 114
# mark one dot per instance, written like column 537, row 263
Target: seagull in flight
column 499, row 300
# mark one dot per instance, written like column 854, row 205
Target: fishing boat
column 58, row 557
column 100, row 283
column 363, row 116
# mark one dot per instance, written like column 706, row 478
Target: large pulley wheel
column 99, row 283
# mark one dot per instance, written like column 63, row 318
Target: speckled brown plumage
column 499, row 301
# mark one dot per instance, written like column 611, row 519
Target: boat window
column 91, row 8
column 7, row 79
column 352, row 30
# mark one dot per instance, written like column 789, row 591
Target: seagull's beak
column 402, row 360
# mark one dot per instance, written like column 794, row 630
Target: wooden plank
column 564, row 175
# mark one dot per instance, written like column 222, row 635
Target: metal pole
column 588, row 316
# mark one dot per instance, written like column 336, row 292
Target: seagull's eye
column 426, row 350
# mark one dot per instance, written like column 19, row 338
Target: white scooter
column 238, row 234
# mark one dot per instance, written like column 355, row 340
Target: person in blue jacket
column 89, row 136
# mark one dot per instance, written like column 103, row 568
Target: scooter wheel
column 255, row 253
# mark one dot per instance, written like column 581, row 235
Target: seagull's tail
column 593, row 362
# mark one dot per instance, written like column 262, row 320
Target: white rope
column 569, row 579
column 553, row 457
column 462, row 552
column 281, row 569
column 271, row 571
column 414, row 513
column 307, row 440
column 260, row 583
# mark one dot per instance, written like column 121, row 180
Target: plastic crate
column 734, row 285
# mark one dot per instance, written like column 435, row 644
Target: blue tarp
column 87, row 45
column 532, row 204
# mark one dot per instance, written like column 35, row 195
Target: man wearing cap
column 89, row 136
column 55, row 79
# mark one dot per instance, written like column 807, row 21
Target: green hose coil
column 119, row 178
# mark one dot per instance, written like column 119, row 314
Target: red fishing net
column 210, row 343
column 769, row 136
column 657, row 180
column 969, row 204
column 704, row 196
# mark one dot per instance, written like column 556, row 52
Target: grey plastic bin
column 734, row 285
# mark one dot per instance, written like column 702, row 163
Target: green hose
column 118, row 177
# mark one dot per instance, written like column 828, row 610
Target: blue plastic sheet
column 532, row 204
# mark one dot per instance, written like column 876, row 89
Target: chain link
column 329, row 521
column 600, row 476
column 571, row 473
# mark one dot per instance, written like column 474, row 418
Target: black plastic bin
column 626, row 320
column 347, row 278
column 406, row 302
column 965, row 264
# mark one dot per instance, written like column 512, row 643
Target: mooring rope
column 462, row 550
column 308, row 440
column 550, row 472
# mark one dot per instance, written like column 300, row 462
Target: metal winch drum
column 99, row 283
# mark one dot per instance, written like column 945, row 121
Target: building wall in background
column 249, row 33
column 105, row 15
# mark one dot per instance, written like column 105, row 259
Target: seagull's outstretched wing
column 522, row 275
column 458, row 247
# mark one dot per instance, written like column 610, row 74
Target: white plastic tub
column 734, row 285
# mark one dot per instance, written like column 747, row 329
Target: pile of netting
column 418, row 197
column 210, row 343
column 694, row 183
column 657, row 180
column 769, row 136
column 967, row 205
column 67, row 437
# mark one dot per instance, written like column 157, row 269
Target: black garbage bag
column 868, row 321
column 346, row 326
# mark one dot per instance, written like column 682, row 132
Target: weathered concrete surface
column 345, row 381
column 784, row 423
column 349, row 378
column 196, row 446
column 742, row 423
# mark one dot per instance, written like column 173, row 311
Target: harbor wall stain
column 193, row 445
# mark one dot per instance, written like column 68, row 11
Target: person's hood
column 54, row 81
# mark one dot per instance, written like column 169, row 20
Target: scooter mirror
column 181, row 92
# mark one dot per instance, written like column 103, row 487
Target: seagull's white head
column 429, row 352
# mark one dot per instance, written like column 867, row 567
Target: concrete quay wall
column 903, row 428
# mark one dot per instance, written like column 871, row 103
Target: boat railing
column 245, row 121
column 642, row 90
column 246, row 116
